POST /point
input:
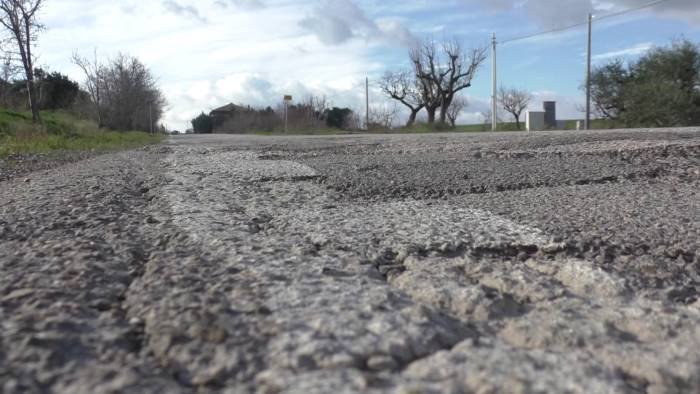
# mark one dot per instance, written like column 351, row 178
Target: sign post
column 287, row 100
column 494, row 88
column 367, row 108
column 588, row 73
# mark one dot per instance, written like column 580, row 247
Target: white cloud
column 558, row 13
column 242, row 4
column 474, row 113
column 186, row 11
column 251, row 89
column 545, row 13
column 254, row 51
column 243, row 55
column 199, row 91
column 687, row 10
column 634, row 50
column 335, row 22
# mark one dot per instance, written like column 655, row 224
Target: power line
column 606, row 16
column 641, row 7
column 542, row 33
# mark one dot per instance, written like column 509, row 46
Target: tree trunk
column 431, row 114
column 33, row 105
column 25, row 50
column 29, row 67
column 443, row 113
column 517, row 122
column 444, row 107
column 412, row 117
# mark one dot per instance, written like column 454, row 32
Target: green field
column 62, row 131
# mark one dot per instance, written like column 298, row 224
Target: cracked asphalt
column 541, row 262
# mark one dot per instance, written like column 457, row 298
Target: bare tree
column 403, row 87
column 18, row 17
column 444, row 72
column 310, row 111
column 381, row 117
column 458, row 105
column 123, row 91
column 353, row 122
column 130, row 94
column 488, row 115
column 319, row 106
column 93, row 72
column 514, row 101
column 307, row 113
column 462, row 69
column 425, row 64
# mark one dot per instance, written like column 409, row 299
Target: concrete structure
column 534, row 120
column 550, row 114
column 225, row 114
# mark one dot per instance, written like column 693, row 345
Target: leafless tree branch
column 403, row 87
column 459, row 104
column 443, row 72
column 514, row 101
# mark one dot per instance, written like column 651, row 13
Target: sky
column 208, row 53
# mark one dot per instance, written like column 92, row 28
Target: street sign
column 287, row 98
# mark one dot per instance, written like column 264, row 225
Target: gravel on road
column 543, row 262
column 17, row 165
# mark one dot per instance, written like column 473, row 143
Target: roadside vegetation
column 117, row 106
column 62, row 131
column 68, row 118
column 660, row 89
column 311, row 114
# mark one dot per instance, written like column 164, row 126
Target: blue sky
column 208, row 53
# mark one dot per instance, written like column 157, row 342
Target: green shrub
column 62, row 131
column 6, row 128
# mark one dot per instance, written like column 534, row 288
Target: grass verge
column 596, row 124
column 61, row 131
column 422, row 128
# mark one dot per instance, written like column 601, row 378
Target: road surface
column 543, row 262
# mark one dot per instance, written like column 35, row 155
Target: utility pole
column 588, row 73
column 287, row 99
column 494, row 96
column 367, row 107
